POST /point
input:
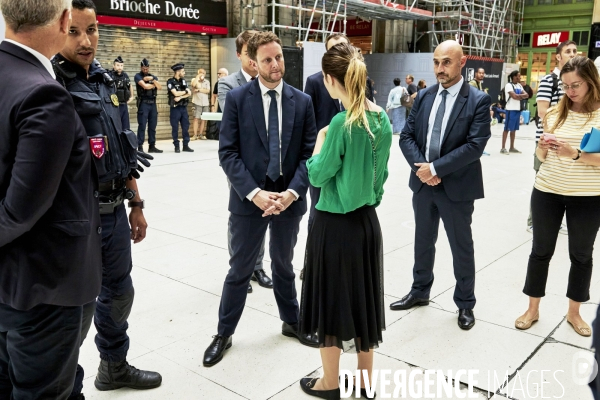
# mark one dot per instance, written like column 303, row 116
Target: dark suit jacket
column 325, row 107
column 49, row 218
column 244, row 147
column 464, row 140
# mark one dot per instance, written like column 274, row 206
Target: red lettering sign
column 164, row 25
column 549, row 39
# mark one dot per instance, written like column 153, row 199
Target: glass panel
column 544, row 1
column 538, row 69
column 584, row 38
column 576, row 36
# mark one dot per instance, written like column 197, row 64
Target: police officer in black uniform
column 147, row 86
column 124, row 93
column 179, row 92
column 116, row 160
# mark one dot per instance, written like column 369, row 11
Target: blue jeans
column 147, row 114
column 180, row 115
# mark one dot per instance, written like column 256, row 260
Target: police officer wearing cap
column 124, row 92
column 115, row 156
column 147, row 86
column 179, row 92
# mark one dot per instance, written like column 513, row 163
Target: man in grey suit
column 246, row 74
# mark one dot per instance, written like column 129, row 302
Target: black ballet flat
column 308, row 383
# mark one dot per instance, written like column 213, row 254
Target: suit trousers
column 147, row 115
column 38, row 351
column 247, row 234
column 583, row 222
column 180, row 115
column 124, row 114
column 261, row 253
column 429, row 204
column 315, row 195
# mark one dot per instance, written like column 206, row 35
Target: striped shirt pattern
column 563, row 175
column 544, row 93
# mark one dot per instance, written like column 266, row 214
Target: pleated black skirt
column 342, row 291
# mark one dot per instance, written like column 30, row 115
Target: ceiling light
column 133, row 27
column 159, row 30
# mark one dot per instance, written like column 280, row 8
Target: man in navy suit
column 325, row 109
column 247, row 74
column 267, row 133
column 443, row 139
column 50, row 229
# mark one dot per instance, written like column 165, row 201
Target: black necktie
column 273, row 130
column 436, row 132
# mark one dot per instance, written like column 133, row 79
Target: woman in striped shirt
column 568, row 181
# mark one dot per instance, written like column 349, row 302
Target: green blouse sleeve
column 323, row 166
column 384, row 152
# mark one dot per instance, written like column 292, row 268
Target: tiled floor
column 180, row 268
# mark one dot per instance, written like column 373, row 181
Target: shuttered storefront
column 162, row 49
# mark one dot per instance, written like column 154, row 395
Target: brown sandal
column 524, row 324
column 583, row 330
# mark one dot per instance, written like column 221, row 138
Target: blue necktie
column 436, row 132
column 273, row 130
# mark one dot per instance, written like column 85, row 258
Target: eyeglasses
column 573, row 86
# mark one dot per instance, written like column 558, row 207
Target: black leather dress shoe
column 466, row 319
column 214, row 353
column 292, row 331
column 363, row 394
column 249, row 288
column 307, row 387
column 408, row 301
column 263, row 280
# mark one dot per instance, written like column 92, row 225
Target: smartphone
column 549, row 136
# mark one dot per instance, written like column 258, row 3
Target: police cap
column 118, row 60
column 177, row 67
column 145, row 63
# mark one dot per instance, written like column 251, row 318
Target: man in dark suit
column 267, row 134
column 49, row 219
column 443, row 139
column 248, row 73
column 325, row 109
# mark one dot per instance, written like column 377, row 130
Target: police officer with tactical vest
column 147, row 86
column 179, row 92
column 116, row 161
column 124, row 92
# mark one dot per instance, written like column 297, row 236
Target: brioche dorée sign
column 188, row 15
column 549, row 39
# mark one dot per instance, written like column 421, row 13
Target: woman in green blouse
column 342, row 292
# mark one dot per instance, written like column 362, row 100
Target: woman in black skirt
column 342, row 292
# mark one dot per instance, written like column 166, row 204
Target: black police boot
column 116, row 375
column 140, row 148
column 177, row 150
column 153, row 149
column 188, row 149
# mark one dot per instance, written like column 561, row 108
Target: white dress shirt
column 45, row 61
column 450, row 100
column 246, row 75
column 266, row 99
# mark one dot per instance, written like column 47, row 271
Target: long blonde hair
column 586, row 70
column 345, row 63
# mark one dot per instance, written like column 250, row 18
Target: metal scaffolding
column 327, row 13
column 486, row 28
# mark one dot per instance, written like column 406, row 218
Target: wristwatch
column 578, row 155
column 140, row 204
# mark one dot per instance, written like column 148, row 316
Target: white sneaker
column 563, row 230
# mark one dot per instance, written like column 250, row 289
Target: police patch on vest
column 115, row 99
column 97, row 146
